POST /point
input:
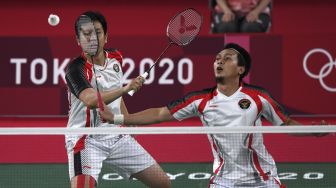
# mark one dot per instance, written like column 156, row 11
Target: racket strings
column 88, row 38
column 99, row 97
column 87, row 35
column 181, row 30
column 184, row 27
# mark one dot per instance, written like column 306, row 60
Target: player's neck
column 228, row 88
column 99, row 59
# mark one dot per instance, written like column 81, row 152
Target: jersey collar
column 228, row 97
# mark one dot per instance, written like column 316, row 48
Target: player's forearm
column 135, row 85
column 291, row 122
column 110, row 96
column 123, row 107
column 149, row 116
column 90, row 98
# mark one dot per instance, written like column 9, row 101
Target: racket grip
column 100, row 101
column 144, row 75
column 131, row 93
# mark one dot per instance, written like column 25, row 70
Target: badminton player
column 240, row 160
column 87, row 153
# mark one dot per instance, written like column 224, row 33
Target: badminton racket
column 88, row 39
column 181, row 30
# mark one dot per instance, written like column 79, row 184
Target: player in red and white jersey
column 240, row 160
column 86, row 153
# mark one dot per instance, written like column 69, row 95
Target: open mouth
column 93, row 46
column 219, row 69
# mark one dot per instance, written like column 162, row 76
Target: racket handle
column 144, row 75
column 100, row 101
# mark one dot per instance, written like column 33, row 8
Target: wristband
column 118, row 119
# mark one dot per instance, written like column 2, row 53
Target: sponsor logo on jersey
column 116, row 68
column 244, row 103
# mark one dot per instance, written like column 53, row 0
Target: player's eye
column 87, row 34
column 227, row 58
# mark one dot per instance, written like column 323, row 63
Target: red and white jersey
column 242, row 158
column 79, row 76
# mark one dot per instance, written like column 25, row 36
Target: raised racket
column 181, row 30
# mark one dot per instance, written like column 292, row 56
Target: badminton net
column 36, row 157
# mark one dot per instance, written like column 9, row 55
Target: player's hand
column 106, row 115
column 135, row 84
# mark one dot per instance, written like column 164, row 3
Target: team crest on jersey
column 116, row 68
column 244, row 103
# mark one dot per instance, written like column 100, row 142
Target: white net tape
column 168, row 130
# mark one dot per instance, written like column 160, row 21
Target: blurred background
column 34, row 54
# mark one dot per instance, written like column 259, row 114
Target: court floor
column 183, row 175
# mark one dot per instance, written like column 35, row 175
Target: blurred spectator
column 230, row 16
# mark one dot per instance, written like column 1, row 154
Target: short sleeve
column 76, row 78
column 188, row 106
column 182, row 109
column 272, row 110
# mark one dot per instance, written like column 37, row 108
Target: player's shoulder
column 113, row 53
column 260, row 91
column 190, row 98
column 76, row 63
column 201, row 93
column 254, row 88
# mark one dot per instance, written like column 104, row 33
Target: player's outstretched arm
column 292, row 122
column 149, row 116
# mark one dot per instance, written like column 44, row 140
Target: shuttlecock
column 53, row 20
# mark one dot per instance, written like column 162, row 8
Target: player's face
column 226, row 64
column 102, row 37
column 90, row 38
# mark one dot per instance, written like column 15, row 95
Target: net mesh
column 184, row 27
column 36, row 157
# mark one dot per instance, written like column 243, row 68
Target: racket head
column 184, row 27
column 87, row 35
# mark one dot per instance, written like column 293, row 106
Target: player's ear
column 241, row 70
column 106, row 38
column 77, row 39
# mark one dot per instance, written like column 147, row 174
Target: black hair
column 94, row 16
column 244, row 58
